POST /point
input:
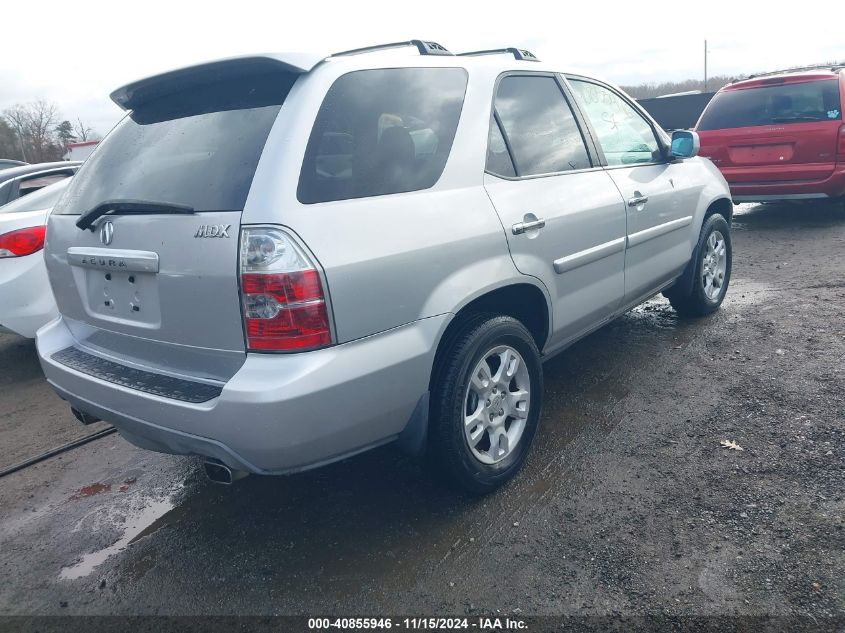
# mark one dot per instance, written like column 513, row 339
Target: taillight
column 840, row 149
column 283, row 301
column 22, row 242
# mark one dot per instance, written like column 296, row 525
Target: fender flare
column 684, row 283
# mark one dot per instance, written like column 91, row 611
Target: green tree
column 64, row 133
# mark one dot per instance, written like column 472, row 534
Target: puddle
column 137, row 524
column 656, row 313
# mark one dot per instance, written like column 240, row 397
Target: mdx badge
column 107, row 233
column 213, row 230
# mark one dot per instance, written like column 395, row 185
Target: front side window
column 768, row 105
column 624, row 135
column 540, row 127
column 382, row 131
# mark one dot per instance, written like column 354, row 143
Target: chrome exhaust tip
column 220, row 473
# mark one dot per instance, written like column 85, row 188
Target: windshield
column 767, row 105
column 44, row 198
column 197, row 149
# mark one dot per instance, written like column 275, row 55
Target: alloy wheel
column 714, row 265
column 496, row 404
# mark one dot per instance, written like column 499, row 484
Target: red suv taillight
column 283, row 302
column 22, row 242
column 840, row 145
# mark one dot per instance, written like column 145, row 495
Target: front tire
column 712, row 274
column 486, row 396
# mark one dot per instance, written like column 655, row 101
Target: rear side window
column 42, row 199
column 539, row 125
column 498, row 158
column 197, row 148
column 28, row 185
column 768, row 105
column 382, row 131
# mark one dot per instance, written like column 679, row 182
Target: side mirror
column 685, row 144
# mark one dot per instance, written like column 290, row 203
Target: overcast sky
column 75, row 53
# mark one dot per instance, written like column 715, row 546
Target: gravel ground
column 32, row 419
column 628, row 506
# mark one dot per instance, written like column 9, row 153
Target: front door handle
column 637, row 201
column 522, row 227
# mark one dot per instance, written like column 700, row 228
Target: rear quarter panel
column 393, row 259
column 26, row 300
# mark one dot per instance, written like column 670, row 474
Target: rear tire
column 486, row 395
column 712, row 274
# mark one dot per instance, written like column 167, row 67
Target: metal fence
column 679, row 112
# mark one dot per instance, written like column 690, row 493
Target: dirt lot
column 628, row 505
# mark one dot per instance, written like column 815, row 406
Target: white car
column 26, row 300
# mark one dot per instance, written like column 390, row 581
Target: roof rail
column 830, row 67
column 423, row 46
column 518, row 53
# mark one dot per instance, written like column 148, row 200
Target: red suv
column 779, row 136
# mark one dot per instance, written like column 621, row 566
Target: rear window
column 197, row 148
column 768, row 105
column 42, row 199
column 29, row 185
column 382, row 131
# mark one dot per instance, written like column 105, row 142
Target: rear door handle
column 522, row 227
column 637, row 201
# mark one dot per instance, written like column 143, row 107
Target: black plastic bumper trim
column 138, row 379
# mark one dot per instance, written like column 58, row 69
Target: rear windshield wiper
column 87, row 219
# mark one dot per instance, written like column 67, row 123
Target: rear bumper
column 833, row 186
column 26, row 300
column 279, row 413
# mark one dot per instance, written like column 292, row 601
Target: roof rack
column 423, row 46
column 518, row 53
column 830, row 67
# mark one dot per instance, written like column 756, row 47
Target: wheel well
column 524, row 302
column 723, row 206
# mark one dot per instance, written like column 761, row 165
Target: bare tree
column 43, row 118
column 10, row 146
column 644, row 91
column 36, row 133
column 83, row 132
column 35, row 124
column 17, row 119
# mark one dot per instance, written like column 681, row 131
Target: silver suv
column 277, row 262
